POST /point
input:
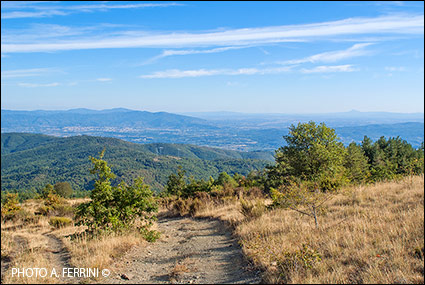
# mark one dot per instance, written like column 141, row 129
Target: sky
column 251, row 57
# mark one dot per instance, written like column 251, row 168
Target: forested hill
column 33, row 160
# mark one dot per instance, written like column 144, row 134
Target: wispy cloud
column 333, row 56
column 395, row 68
column 177, row 73
column 26, row 72
column 33, row 10
column 34, row 85
column 329, row 68
column 104, row 79
column 379, row 27
column 167, row 53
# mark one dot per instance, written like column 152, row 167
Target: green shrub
column 115, row 208
column 149, row 235
column 60, row 222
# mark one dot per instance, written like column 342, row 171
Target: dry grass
column 26, row 245
column 26, row 248
column 100, row 252
column 372, row 234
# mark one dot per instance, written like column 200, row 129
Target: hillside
column 33, row 160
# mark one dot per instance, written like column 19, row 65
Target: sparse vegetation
column 60, row 222
column 366, row 202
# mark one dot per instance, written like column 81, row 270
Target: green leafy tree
column 63, row 189
column 225, row 179
column 356, row 164
column 313, row 155
column 46, row 191
column 115, row 208
column 176, row 183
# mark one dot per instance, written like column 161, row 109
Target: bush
column 252, row 210
column 195, row 206
column 181, row 206
column 63, row 189
column 64, row 210
column 149, row 235
column 60, row 222
column 300, row 260
column 44, row 210
column 10, row 207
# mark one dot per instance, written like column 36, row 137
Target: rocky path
column 189, row 251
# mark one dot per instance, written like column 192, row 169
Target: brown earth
column 189, row 251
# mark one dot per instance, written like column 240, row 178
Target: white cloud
column 38, row 11
column 176, row 73
column 379, row 26
column 33, row 85
column 26, row 72
column 395, row 68
column 104, row 79
column 329, row 68
column 167, row 53
column 31, row 14
column 332, row 56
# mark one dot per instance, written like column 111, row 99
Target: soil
column 190, row 251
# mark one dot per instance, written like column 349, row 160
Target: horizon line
column 211, row 112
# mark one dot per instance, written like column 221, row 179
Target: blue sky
column 255, row 57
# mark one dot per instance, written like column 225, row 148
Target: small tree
column 176, row 183
column 46, row 191
column 115, row 208
column 302, row 200
column 356, row 164
column 63, row 189
column 225, row 179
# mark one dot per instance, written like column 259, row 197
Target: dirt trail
column 52, row 248
column 189, row 251
column 58, row 256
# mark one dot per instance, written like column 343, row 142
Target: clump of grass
column 252, row 209
column 60, row 222
column 150, row 235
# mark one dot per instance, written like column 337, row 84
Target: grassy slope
column 369, row 234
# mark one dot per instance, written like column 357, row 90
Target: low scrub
column 60, row 222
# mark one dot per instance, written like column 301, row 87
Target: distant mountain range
column 33, row 160
column 227, row 130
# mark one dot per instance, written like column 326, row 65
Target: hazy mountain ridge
column 226, row 130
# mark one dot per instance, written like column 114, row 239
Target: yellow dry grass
column 26, row 244
column 369, row 234
column 100, row 252
column 26, row 247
